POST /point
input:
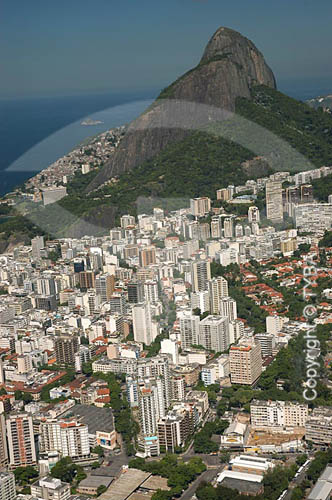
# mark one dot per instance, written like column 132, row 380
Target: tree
column 101, row 489
column 23, row 475
column 297, row 493
column 64, row 469
column 224, row 457
column 99, row 450
column 301, row 459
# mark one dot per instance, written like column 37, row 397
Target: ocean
column 36, row 132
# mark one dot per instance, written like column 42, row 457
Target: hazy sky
column 66, row 46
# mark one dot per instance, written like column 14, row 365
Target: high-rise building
column 245, row 363
column 46, row 302
column 132, row 391
column 87, row 279
column 46, row 286
column 148, row 405
column 118, row 303
column 200, row 300
column 274, row 205
column 83, row 355
column 135, row 291
column 170, row 347
column 218, row 289
column 224, row 194
column 200, row 206
column 127, row 220
column 189, row 329
column 228, row 228
column 274, row 324
column 147, row 256
column 200, row 275
column 216, row 227
column 21, row 443
column 214, row 333
column 253, row 215
column 24, row 363
column 227, row 307
column 267, row 341
column 3, row 442
column 70, row 438
column 278, row 414
column 65, row 349
column 7, row 486
column 145, row 327
column 175, row 428
column 151, row 291
column 158, row 369
column 37, row 245
column 105, row 284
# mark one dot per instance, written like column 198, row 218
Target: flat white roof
column 253, row 462
column 243, row 476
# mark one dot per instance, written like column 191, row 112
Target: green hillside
column 209, row 159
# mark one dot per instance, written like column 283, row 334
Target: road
column 296, row 481
column 206, row 476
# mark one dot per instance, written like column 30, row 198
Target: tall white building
column 274, row 206
column 150, row 409
column 200, row 275
column 274, row 324
column 200, row 300
column 157, row 368
column 228, row 228
column 151, row 291
column 145, row 327
column 37, row 245
column 7, row 486
column 170, row 347
column 227, row 307
column 278, row 414
column 267, row 341
column 189, row 328
column 218, row 289
column 200, row 206
column 21, row 443
column 70, row 438
column 253, row 215
column 245, row 363
column 214, row 333
column 132, row 391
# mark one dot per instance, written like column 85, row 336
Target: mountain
column 239, row 128
column 230, row 67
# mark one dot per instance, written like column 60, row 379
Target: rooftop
column 97, row 419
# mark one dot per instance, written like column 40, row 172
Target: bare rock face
column 231, row 65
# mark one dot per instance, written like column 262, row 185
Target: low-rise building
column 50, row 488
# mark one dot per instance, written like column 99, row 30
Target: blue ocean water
column 36, row 132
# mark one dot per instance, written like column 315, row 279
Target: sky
column 66, row 47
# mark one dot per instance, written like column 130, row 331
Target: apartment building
column 21, row 443
column 245, row 363
column 200, row 206
column 278, row 414
column 70, row 438
column 214, row 333
column 7, row 486
column 65, row 349
column 318, row 427
column 50, row 488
